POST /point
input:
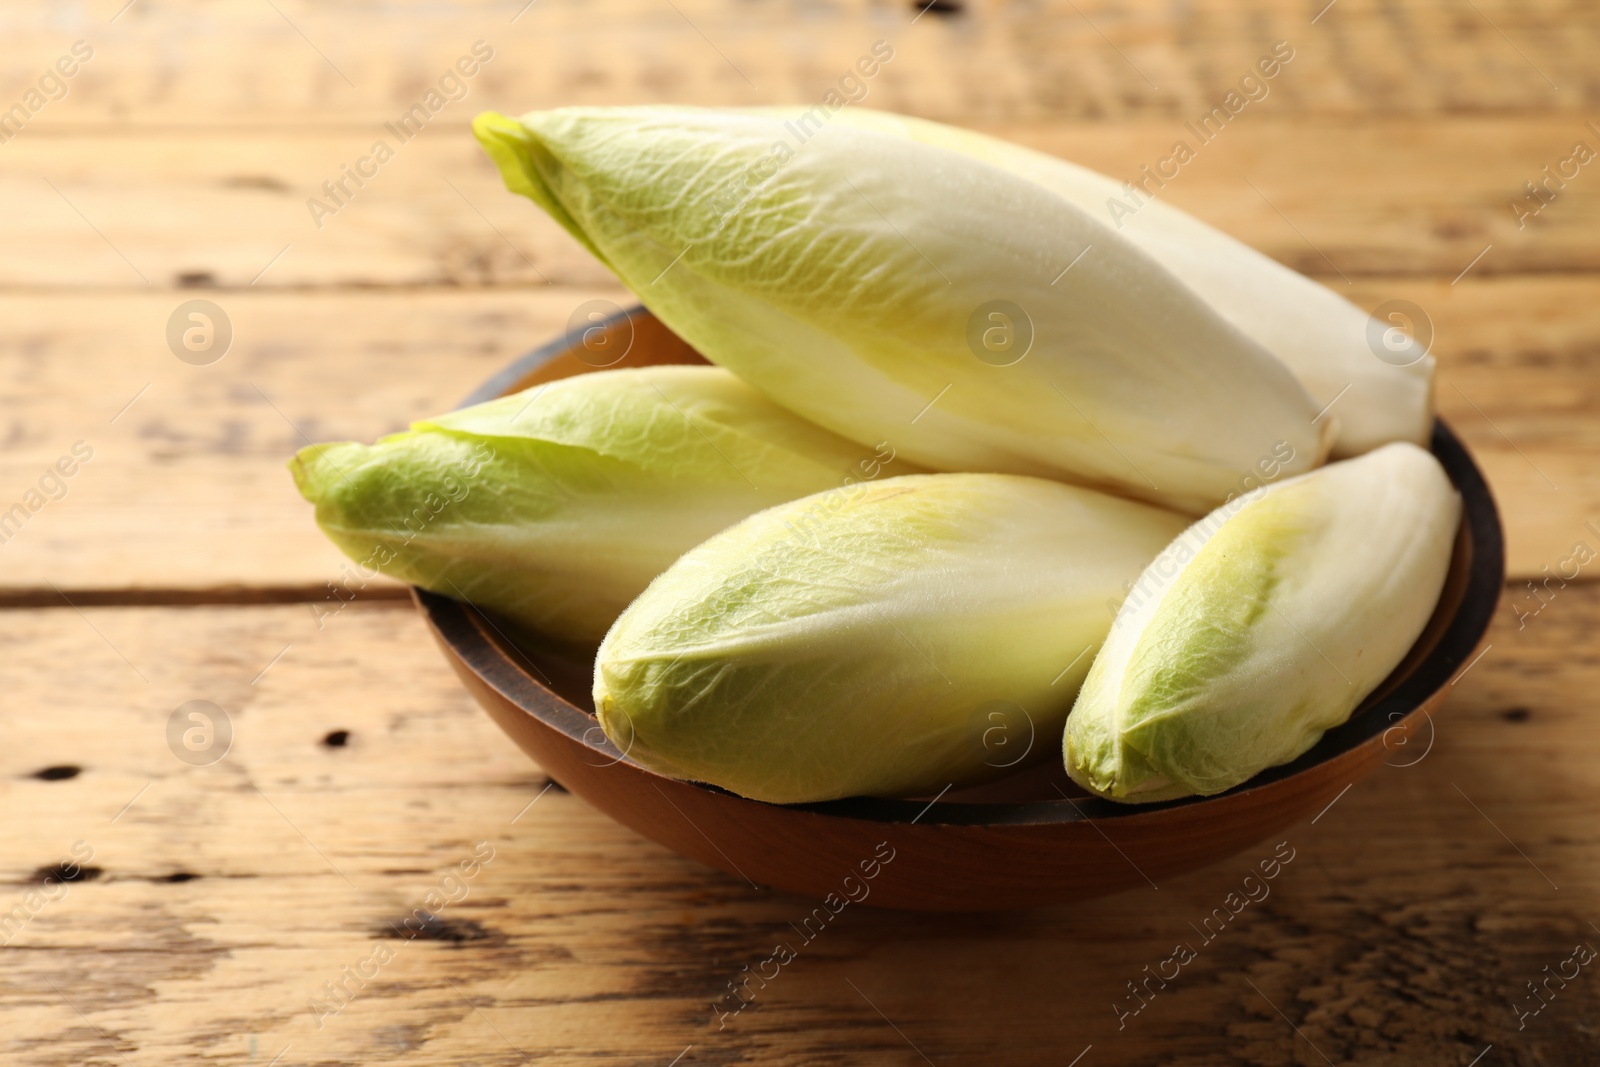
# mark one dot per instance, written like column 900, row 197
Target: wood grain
column 188, row 62
column 1398, row 934
column 1417, row 907
column 190, row 479
column 183, row 209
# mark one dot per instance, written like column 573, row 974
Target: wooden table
column 212, row 910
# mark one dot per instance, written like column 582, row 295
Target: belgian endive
column 891, row 289
column 1377, row 379
column 1264, row 625
column 557, row 506
column 890, row 638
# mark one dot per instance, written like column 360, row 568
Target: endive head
column 859, row 641
column 557, row 505
column 855, row 276
column 1380, row 378
column 1264, row 625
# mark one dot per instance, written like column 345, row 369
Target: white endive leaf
column 857, row 281
column 893, row 637
column 1264, row 625
column 556, row 506
column 1330, row 344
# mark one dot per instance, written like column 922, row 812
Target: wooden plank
column 1329, row 197
column 295, row 63
column 1518, row 361
column 223, row 897
column 220, row 900
column 187, row 491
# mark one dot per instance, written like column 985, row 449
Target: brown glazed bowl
column 1029, row 840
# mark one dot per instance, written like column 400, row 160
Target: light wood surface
column 1386, row 197
column 177, row 166
column 1398, row 934
column 191, row 477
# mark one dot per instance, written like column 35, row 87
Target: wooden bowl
column 1032, row 839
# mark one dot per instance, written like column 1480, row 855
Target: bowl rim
column 461, row 626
